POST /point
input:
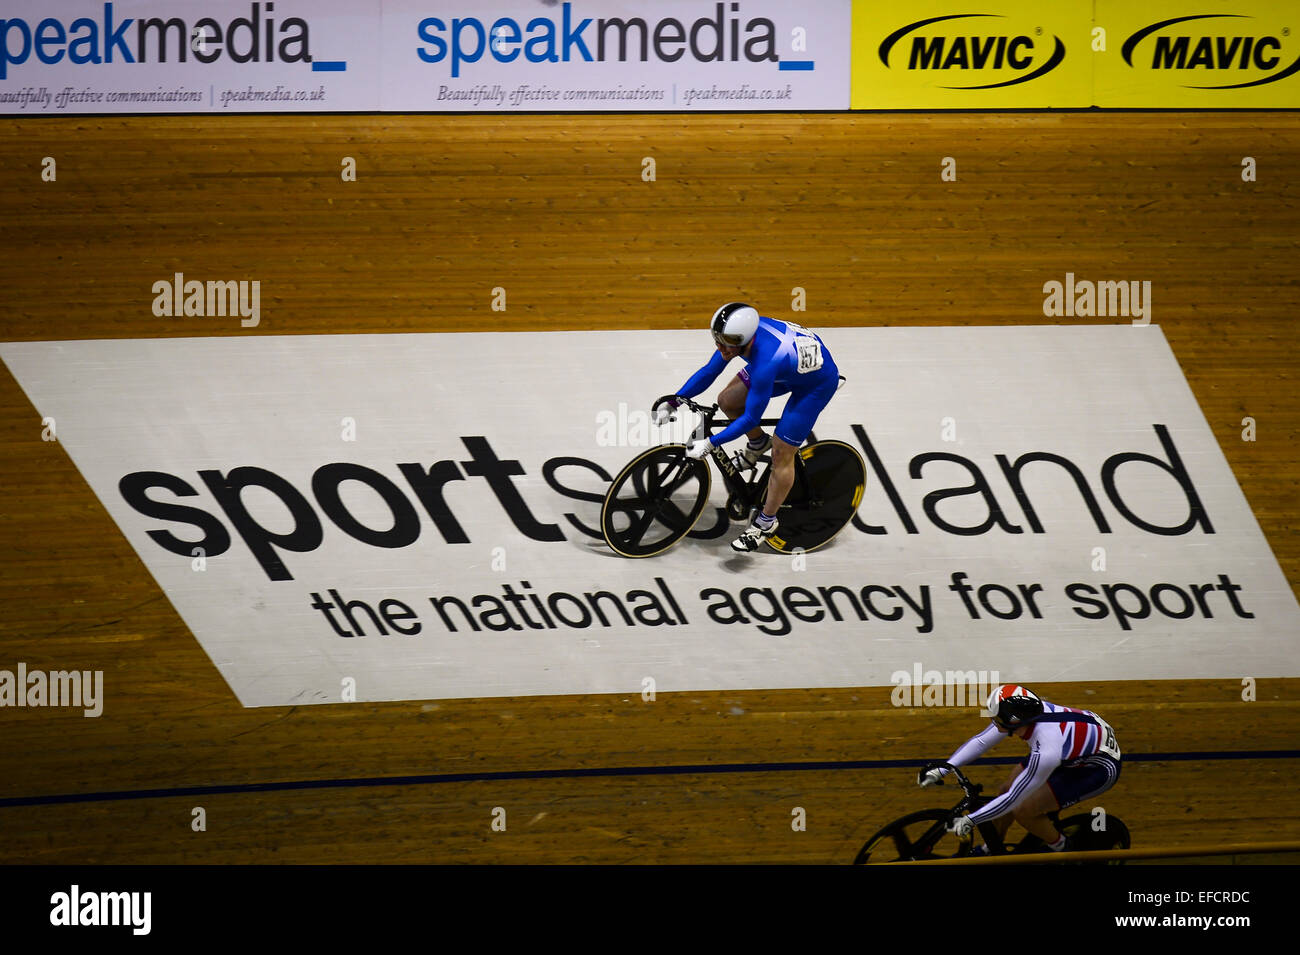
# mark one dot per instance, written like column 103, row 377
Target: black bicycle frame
column 972, row 800
column 747, row 490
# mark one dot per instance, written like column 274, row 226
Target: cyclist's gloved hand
column 932, row 776
column 698, row 448
column 961, row 827
column 662, row 410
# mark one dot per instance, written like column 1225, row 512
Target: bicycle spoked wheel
column 836, row 477
column 920, row 835
column 654, row 501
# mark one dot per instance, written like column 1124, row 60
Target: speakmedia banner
column 1004, row 53
column 514, row 55
column 1242, row 54
column 145, row 56
column 421, row 55
column 415, row 516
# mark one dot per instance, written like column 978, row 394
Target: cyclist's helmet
column 734, row 324
column 1013, row 707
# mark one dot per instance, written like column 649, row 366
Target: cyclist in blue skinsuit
column 781, row 358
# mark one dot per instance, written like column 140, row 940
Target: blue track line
column 688, row 770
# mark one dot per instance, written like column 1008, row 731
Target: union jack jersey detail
column 1078, row 739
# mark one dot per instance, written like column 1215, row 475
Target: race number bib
column 807, row 347
column 1108, row 744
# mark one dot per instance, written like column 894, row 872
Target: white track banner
column 224, row 56
column 671, row 55
column 405, row 517
column 188, row 56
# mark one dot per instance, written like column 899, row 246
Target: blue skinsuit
column 783, row 357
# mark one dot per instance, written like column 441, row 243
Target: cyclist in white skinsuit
column 1072, row 757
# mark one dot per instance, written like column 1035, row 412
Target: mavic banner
column 937, row 54
column 395, row 517
column 1179, row 54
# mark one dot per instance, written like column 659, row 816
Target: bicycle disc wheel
column 1085, row 838
column 920, row 835
column 654, row 501
column 811, row 517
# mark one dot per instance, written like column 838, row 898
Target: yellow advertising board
column 1174, row 53
column 991, row 54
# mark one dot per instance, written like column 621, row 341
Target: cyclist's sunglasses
column 722, row 338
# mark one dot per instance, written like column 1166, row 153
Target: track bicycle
column 659, row 496
column 925, row 835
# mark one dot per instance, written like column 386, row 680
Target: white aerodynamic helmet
column 734, row 324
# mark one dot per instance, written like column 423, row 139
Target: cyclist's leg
column 1090, row 776
column 781, row 479
column 732, row 402
column 731, row 399
column 1032, row 813
column 1068, row 785
column 791, row 431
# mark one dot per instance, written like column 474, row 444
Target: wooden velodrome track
column 850, row 207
